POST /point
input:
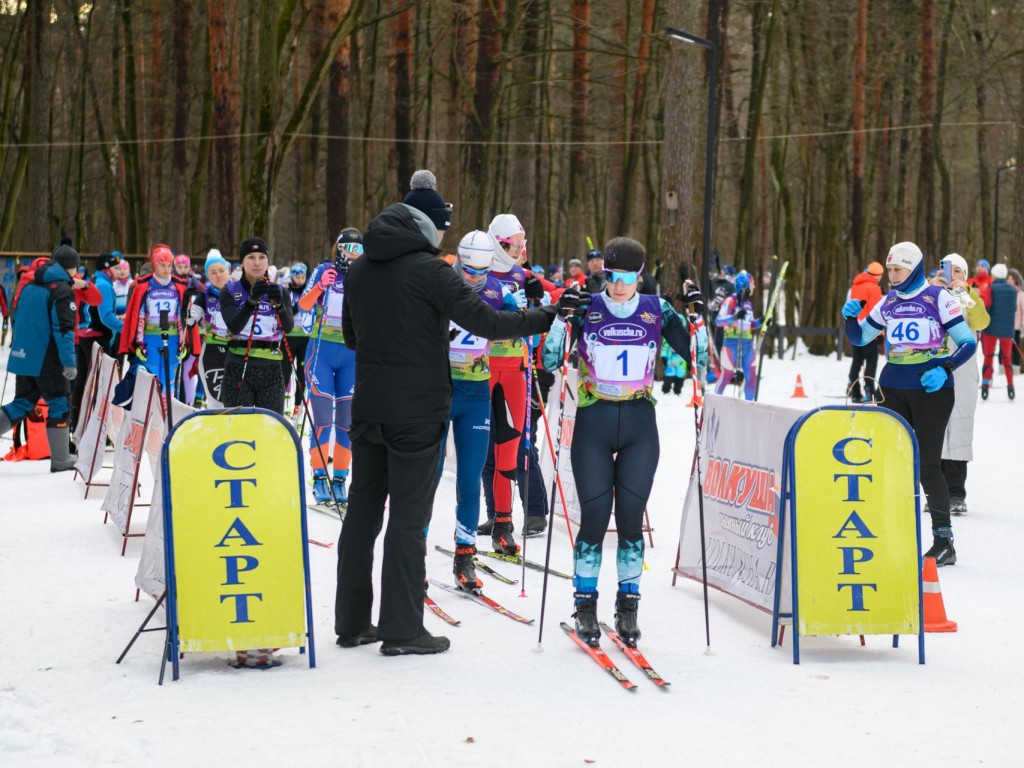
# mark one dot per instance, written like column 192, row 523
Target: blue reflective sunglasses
column 627, row 278
column 471, row 271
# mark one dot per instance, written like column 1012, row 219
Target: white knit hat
column 476, row 250
column 905, row 254
column 959, row 262
column 999, row 272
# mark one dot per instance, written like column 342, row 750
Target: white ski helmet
column 476, row 250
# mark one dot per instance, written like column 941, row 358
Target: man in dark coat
column 399, row 299
column 43, row 352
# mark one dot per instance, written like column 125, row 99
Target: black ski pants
column 615, row 449
column 955, row 473
column 400, row 460
column 866, row 357
column 927, row 414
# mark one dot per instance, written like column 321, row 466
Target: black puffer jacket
column 399, row 297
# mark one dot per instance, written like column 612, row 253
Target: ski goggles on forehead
column 473, row 271
column 626, row 278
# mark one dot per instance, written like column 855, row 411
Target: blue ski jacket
column 44, row 324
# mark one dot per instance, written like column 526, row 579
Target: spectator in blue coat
column 43, row 352
column 104, row 318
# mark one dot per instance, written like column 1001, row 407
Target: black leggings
column 927, row 414
column 614, row 448
column 261, row 386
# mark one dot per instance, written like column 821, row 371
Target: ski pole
column 551, row 450
column 165, row 327
column 305, row 408
column 527, row 425
column 248, row 345
column 700, row 494
column 558, row 451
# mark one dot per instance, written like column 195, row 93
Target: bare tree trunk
column 926, row 173
column 137, row 238
column 402, row 40
column 22, row 32
column 579, row 176
column 38, row 58
column 338, row 97
column 151, row 69
column 679, row 237
column 225, row 125
column 636, row 122
column 480, row 127
column 945, row 183
column 181, row 21
column 860, row 63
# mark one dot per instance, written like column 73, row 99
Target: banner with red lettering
column 741, row 448
column 92, row 437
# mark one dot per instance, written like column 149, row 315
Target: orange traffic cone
column 799, row 390
column 696, row 399
column 934, row 611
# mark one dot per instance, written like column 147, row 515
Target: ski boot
column 942, row 547
column 1010, row 391
column 464, row 570
column 984, row 389
column 587, row 628
column 340, row 491
column 485, row 528
column 957, row 507
column 535, row 525
column 501, row 535
column 853, row 391
column 321, row 487
column 626, row 604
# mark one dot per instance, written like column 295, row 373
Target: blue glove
column 933, row 379
column 520, row 298
column 852, row 308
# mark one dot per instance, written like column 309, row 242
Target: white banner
column 565, row 474
column 150, row 576
column 92, row 440
column 128, row 447
column 741, row 449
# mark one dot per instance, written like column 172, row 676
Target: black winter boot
column 942, row 547
column 587, row 628
column 626, row 627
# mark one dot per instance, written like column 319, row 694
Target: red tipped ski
column 482, row 600
column 438, row 611
column 598, row 655
column 636, row 657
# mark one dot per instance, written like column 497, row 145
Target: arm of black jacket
column 461, row 303
column 235, row 317
column 348, row 330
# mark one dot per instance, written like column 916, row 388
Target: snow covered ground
column 67, row 609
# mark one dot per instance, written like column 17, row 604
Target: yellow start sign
column 855, row 524
column 235, row 528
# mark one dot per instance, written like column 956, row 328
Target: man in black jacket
column 399, row 298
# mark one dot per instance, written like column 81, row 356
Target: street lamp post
column 1009, row 165
column 709, row 152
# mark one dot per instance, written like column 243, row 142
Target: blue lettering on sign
column 851, row 558
column 856, row 595
column 839, row 451
column 236, row 490
column 237, row 564
column 852, row 485
column 854, row 521
column 220, row 455
column 242, row 606
column 237, row 530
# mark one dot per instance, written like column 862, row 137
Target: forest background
column 843, row 126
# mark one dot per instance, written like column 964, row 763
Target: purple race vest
column 617, row 354
column 468, row 354
column 913, row 327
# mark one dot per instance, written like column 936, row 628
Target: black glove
column 274, row 293
column 740, row 313
column 259, row 290
column 572, row 301
column 533, row 289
